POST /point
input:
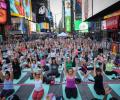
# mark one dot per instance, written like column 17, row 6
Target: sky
column 56, row 8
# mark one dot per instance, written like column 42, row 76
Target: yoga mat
column 22, row 75
column 82, row 77
column 91, row 86
column 16, row 81
column 26, row 70
column 57, row 79
column 64, row 95
column 110, row 76
column 45, row 86
column 116, row 88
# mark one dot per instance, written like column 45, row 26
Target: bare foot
column 108, row 91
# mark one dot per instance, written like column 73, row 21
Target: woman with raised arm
column 109, row 69
column 98, row 85
column 68, row 63
column 38, row 89
column 54, row 69
column 16, row 68
column 8, row 85
column 70, row 89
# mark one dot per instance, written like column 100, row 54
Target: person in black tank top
column 98, row 85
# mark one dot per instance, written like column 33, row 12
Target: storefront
column 113, row 30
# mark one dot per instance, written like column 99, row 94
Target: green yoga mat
column 91, row 86
column 64, row 95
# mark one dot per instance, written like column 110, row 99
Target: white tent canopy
column 63, row 34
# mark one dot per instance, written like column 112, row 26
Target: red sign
column 112, row 23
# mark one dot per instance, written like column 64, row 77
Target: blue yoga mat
column 22, row 75
column 26, row 69
column 82, row 77
column 110, row 76
column 64, row 95
column 91, row 86
column 116, row 88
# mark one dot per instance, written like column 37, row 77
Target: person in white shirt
column 38, row 89
column 53, row 54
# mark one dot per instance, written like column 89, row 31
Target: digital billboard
column 17, row 24
column 28, row 9
column 78, row 9
column 77, row 23
column 3, row 12
column 38, row 27
column 41, row 10
column 44, row 25
column 81, row 26
column 68, row 15
column 32, row 26
column 21, row 8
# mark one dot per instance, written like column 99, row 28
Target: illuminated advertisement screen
column 28, row 9
column 81, row 26
column 77, row 24
column 3, row 11
column 17, row 24
column 37, row 27
column 68, row 15
column 78, row 9
column 32, row 26
column 44, row 25
column 21, row 8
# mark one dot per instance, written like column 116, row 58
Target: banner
column 103, row 25
column 21, row 8
column 41, row 11
column 78, row 9
column 3, row 12
column 44, row 25
column 32, row 26
column 28, row 9
column 112, row 23
column 38, row 27
column 117, row 13
column 68, row 15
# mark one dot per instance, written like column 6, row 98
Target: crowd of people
column 44, row 57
